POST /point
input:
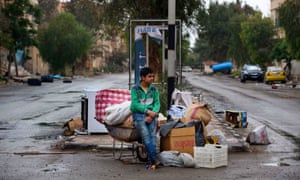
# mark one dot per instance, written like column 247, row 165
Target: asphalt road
column 276, row 108
column 32, row 117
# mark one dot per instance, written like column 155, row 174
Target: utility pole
column 171, row 49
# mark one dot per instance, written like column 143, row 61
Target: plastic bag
column 258, row 136
column 171, row 158
column 176, row 111
column 188, row 160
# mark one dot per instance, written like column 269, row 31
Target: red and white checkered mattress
column 107, row 97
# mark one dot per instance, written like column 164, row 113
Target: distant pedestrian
column 145, row 106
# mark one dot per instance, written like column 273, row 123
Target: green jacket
column 142, row 101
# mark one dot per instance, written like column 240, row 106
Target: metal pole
column 180, row 61
column 163, row 55
column 147, row 48
column 130, row 54
column 171, row 49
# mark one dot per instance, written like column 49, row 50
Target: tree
column 118, row 13
column 63, row 42
column 116, row 62
column 49, row 10
column 218, row 32
column 89, row 13
column 257, row 36
column 20, row 32
column 289, row 19
column 279, row 52
column 236, row 50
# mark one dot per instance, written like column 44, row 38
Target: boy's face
column 149, row 78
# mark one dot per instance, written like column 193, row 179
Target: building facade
column 275, row 4
column 92, row 62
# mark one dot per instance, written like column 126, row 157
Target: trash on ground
column 211, row 156
column 176, row 159
column 238, row 119
column 71, row 125
column 258, row 136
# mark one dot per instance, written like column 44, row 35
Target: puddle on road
column 39, row 115
column 6, row 126
column 46, row 137
column 51, row 124
column 33, row 98
column 275, row 164
column 55, row 168
column 31, row 118
column 66, row 92
column 285, row 161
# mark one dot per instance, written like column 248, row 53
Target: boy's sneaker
column 156, row 163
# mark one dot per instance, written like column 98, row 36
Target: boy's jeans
column 148, row 134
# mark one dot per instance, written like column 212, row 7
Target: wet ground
column 31, row 129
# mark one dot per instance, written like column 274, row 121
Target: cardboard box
column 236, row 118
column 179, row 139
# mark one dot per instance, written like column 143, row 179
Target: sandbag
column 258, row 136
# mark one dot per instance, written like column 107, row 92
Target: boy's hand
column 152, row 114
column 148, row 119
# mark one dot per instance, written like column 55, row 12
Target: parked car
column 275, row 74
column 251, row 72
column 186, row 69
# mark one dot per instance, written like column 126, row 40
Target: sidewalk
column 235, row 137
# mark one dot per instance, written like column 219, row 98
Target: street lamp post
column 171, row 49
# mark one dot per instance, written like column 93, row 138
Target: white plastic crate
column 211, row 156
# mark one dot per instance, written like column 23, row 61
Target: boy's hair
column 145, row 71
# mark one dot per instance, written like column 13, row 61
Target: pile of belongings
column 197, row 114
column 109, row 97
column 72, row 125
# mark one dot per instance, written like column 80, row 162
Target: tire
column 34, row 82
column 46, row 78
column 67, row 80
